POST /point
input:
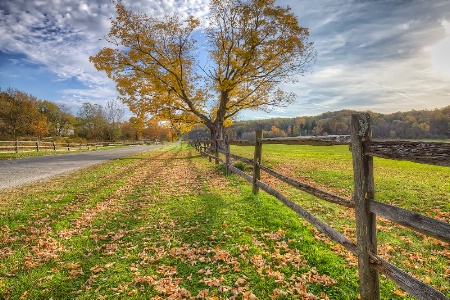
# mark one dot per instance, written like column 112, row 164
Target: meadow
column 169, row 224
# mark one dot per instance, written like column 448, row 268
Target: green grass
column 169, row 223
column 421, row 188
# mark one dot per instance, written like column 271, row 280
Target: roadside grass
column 169, row 224
column 421, row 188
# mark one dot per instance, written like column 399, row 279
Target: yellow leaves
column 255, row 46
column 400, row 293
column 228, row 122
column 24, row 295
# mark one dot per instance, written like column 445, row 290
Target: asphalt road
column 17, row 172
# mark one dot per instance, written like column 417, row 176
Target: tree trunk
column 217, row 131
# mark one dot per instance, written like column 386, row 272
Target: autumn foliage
column 253, row 46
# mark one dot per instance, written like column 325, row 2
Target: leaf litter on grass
column 171, row 227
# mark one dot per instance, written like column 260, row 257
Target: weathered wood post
column 216, row 151
column 17, row 145
column 54, row 146
column 227, row 155
column 366, row 232
column 37, row 145
column 256, row 161
column 208, row 146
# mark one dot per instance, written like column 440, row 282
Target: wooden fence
column 363, row 202
column 29, row 146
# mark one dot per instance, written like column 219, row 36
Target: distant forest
column 23, row 116
column 415, row 124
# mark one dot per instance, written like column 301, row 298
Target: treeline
column 415, row 124
column 23, row 116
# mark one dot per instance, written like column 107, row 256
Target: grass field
column 417, row 187
column 169, row 224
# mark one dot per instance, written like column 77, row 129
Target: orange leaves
column 399, row 293
column 96, row 269
column 212, row 281
column 143, row 234
column 46, row 248
column 314, row 277
column 146, row 279
column 110, row 248
column 75, row 272
column 167, row 270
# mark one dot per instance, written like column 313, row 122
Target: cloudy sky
column 379, row 55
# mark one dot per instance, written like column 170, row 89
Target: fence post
column 37, row 145
column 17, row 145
column 365, row 220
column 256, row 161
column 54, row 146
column 216, row 151
column 227, row 155
column 68, row 146
column 209, row 151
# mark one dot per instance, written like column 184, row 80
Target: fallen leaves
column 147, row 241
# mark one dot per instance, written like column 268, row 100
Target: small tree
column 114, row 113
column 253, row 46
column 92, row 123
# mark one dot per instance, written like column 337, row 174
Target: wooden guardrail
column 29, row 146
column 363, row 202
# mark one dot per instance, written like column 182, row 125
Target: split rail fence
column 366, row 207
column 37, row 146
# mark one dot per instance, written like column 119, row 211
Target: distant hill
column 415, row 124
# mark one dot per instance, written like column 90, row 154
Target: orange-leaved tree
column 252, row 47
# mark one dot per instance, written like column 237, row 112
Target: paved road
column 17, row 172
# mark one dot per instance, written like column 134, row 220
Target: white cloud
column 60, row 35
column 370, row 53
column 440, row 57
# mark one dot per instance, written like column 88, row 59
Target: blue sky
column 384, row 55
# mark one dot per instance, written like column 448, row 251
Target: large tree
column 253, row 46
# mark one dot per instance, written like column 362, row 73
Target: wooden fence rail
column 29, row 146
column 363, row 200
